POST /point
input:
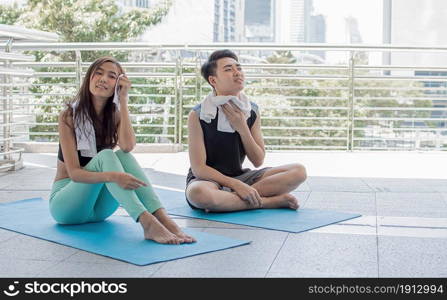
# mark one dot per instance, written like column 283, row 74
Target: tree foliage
column 76, row 21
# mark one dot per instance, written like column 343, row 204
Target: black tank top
column 224, row 151
column 83, row 160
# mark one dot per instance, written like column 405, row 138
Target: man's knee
column 200, row 196
column 299, row 172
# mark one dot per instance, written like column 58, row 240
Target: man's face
column 229, row 78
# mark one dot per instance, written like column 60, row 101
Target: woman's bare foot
column 164, row 219
column 154, row 230
column 281, row 201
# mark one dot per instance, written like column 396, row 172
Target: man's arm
column 251, row 138
column 197, row 157
column 197, row 154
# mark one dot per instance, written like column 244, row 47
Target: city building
column 228, row 21
column 259, row 20
column 413, row 22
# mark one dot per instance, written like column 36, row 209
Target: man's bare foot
column 164, row 219
column 292, row 201
column 281, row 201
column 154, row 230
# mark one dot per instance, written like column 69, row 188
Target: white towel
column 85, row 132
column 212, row 103
column 116, row 97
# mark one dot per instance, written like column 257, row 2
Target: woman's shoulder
column 66, row 115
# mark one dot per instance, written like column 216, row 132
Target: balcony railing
column 354, row 105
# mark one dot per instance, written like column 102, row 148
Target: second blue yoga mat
column 277, row 219
column 118, row 237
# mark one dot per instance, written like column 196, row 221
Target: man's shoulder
column 254, row 107
column 197, row 108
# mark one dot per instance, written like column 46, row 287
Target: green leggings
column 76, row 202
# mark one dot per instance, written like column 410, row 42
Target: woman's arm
column 68, row 144
column 126, row 134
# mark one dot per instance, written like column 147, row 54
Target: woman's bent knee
column 106, row 153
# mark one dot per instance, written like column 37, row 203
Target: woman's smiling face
column 103, row 80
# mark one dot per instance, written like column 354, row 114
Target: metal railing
column 304, row 105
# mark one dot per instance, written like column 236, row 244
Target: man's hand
column 235, row 116
column 247, row 193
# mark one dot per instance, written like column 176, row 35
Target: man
column 223, row 130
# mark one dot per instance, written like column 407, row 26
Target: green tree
column 76, row 21
column 314, row 112
column 90, row 21
column 10, row 14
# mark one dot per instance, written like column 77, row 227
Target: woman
column 92, row 180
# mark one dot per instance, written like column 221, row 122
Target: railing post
column 178, row 134
column 78, row 68
column 350, row 142
column 7, row 107
column 198, row 78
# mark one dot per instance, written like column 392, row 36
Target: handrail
column 346, row 106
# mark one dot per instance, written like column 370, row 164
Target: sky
column 190, row 22
column 367, row 12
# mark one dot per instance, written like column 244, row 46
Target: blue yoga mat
column 277, row 219
column 118, row 237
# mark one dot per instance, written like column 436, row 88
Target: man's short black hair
column 209, row 67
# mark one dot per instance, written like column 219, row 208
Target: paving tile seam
column 394, row 226
column 161, row 264
column 363, row 180
column 408, row 226
column 30, row 259
column 76, row 252
column 360, row 225
column 377, row 237
column 277, row 254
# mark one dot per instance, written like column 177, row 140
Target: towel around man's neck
column 212, row 103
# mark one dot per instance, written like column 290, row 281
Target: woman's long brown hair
column 106, row 130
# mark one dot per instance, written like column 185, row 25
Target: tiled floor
column 402, row 231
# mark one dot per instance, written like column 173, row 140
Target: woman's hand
column 128, row 181
column 124, row 86
column 235, row 116
column 248, row 194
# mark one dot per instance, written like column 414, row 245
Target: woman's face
column 103, row 80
